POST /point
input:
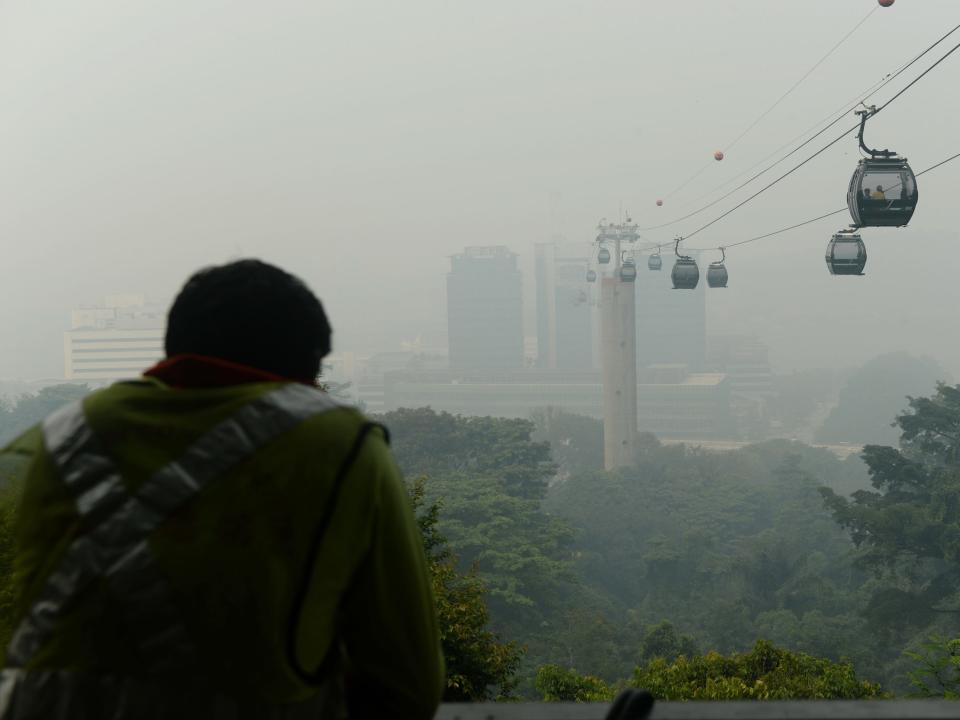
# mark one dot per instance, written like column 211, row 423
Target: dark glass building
column 485, row 310
column 565, row 306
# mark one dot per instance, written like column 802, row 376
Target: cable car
column 603, row 257
column 846, row 254
column 717, row 272
column 655, row 262
column 591, row 276
column 685, row 273
column 628, row 271
column 883, row 190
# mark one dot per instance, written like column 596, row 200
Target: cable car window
column 882, row 185
column 846, row 250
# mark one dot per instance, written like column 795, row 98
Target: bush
column 764, row 673
column 559, row 685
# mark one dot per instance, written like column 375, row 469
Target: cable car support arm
column 864, row 115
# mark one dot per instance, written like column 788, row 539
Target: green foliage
column 874, row 394
column 479, row 665
column 576, row 441
column 522, row 553
column 729, row 546
column 28, row 410
column 443, row 445
column 733, row 537
column 663, row 641
column 764, row 673
column 9, row 494
column 938, row 671
column 489, row 476
column 555, row 684
column 908, row 527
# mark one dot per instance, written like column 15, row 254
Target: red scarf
column 201, row 371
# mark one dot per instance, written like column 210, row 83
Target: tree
column 479, row 665
column 908, row 527
column 576, row 441
column 938, row 671
column 764, row 673
column 663, row 641
column 437, row 445
column 557, row 684
column 489, row 476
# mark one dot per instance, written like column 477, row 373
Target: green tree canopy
column 435, row 444
column 479, row 665
column 908, row 527
column 764, row 673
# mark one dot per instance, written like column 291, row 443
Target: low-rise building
column 114, row 341
column 672, row 402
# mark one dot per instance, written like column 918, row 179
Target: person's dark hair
column 251, row 313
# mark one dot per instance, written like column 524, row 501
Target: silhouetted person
column 220, row 539
column 878, row 193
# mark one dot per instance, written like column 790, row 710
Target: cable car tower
column 618, row 340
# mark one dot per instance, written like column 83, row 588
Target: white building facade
column 117, row 340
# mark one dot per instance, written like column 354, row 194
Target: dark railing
column 733, row 710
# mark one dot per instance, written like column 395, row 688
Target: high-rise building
column 744, row 360
column 671, row 324
column 114, row 341
column 565, row 306
column 485, row 309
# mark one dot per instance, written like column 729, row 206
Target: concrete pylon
column 618, row 349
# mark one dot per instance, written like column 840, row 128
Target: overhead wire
column 800, row 81
column 727, row 246
column 833, row 142
column 879, row 86
column 776, row 103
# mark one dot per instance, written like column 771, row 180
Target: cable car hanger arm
column 864, row 114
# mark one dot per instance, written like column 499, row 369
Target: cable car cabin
column 603, row 257
column 846, row 254
column 685, row 273
column 717, row 275
column 883, row 193
column 655, row 262
column 591, row 276
column 628, row 271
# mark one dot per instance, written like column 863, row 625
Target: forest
column 773, row 571
column 604, row 579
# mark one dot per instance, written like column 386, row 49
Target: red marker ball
column 659, row 203
column 885, row 3
column 718, row 155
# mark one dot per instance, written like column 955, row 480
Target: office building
column 485, row 309
column 745, row 361
column 114, row 341
column 566, row 306
column 671, row 402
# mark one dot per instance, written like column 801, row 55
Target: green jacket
column 276, row 549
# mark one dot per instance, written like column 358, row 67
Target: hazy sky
column 359, row 144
